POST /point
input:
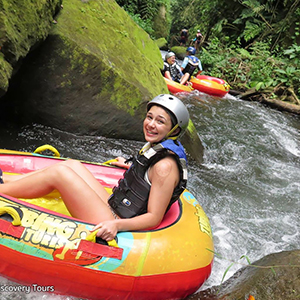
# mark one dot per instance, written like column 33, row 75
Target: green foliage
column 255, row 67
column 245, row 21
column 252, row 30
column 144, row 12
column 249, row 43
column 293, row 53
column 144, row 24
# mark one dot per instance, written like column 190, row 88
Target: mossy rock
column 93, row 74
column 192, row 143
column 23, row 24
column 5, row 74
column 162, row 43
column 273, row 277
column 161, row 25
column 179, row 51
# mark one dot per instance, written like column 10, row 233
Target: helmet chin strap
column 168, row 136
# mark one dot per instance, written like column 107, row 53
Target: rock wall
column 161, row 24
column 23, row 25
column 89, row 69
column 274, row 277
column 93, row 74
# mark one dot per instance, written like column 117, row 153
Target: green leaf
column 226, row 271
column 247, row 258
column 280, row 71
column 259, row 85
column 245, row 53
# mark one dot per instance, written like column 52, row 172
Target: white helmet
column 169, row 54
column 175, row 106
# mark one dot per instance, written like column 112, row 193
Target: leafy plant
column 248, row 264
column 145, row 24
column 143, row 12
column 245, row 40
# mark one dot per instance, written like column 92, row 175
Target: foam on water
column 248, row 184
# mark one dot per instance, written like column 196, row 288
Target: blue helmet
column 191, row 50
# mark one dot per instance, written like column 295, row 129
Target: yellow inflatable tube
column 50, row 248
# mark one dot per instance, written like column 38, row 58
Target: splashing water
column 248, row 183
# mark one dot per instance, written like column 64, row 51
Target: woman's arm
column 168, row 75
column 184, row 63
column 120, row 162
column 164, row 177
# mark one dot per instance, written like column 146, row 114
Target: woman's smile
column 157, row 124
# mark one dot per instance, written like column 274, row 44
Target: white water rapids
column 248, row 183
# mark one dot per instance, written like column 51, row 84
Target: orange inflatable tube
column 175, row 87
column 210, row 85
column 43, row 247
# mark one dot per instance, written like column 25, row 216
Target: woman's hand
column 107, row 230
column 120, row 162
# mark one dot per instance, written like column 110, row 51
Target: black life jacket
column 174, row 70
column 192, row 65
column 130, row 197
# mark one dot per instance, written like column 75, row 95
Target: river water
column 248, row 183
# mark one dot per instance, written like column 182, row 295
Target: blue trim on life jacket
column 175, row 147
column 193, row 59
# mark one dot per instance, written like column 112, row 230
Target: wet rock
column 179, row 51
column 91, row 74
column 274, row 277
column 162, row 44
column 161, row 24
column 23, row 25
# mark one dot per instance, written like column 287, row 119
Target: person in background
column 159, row 171
column 197, row 40
column 171, row 68
column 189, row 65
column 184, row 33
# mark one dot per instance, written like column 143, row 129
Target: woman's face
column 171, row 60
column 157, row 124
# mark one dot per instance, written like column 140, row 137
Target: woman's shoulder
column 166, row 166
